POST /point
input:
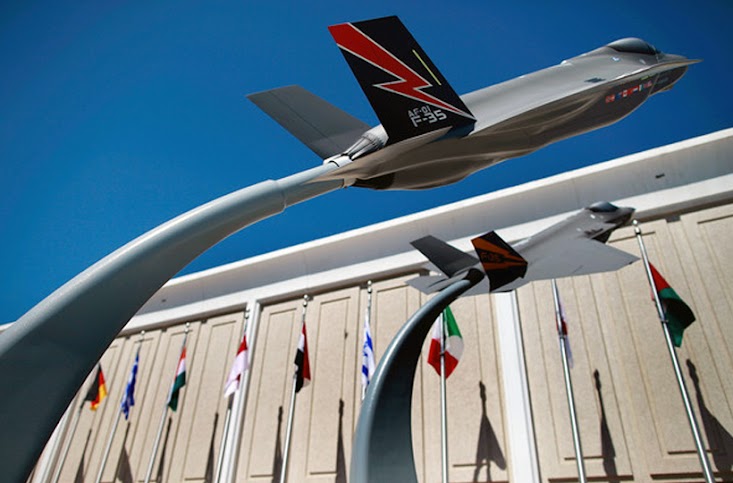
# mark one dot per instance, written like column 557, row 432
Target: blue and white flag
column 128, row 397
column 367, row 357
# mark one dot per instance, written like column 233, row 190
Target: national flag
column 98, row 389
column 179, row 381
column 302, row 366
column 453, row 343
column 679, row 315
column 564, row 333
column 241, row 364
column 367, row 356
column 128, row 397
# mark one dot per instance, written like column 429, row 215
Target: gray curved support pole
column 47, row 353
column 382, row 450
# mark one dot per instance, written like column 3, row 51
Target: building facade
column 507, row 409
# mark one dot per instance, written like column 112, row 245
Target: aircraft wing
column 578, row 256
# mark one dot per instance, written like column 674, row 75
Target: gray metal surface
column 382, row 451
column 46, row 355
column 570, row 247
column 323, row 127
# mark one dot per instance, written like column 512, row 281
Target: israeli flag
column 128, row 397
column 367, row 358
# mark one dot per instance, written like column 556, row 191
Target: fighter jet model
column 429, row 136
column 574, row 246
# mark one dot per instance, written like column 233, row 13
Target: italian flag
column 179, row 381
column 453, row 343
column 679, row 316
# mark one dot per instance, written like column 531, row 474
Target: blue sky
column 117, row 116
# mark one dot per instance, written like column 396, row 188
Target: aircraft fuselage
column 521, row 115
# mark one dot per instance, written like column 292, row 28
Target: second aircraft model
column 430, row 136
column 573, row 246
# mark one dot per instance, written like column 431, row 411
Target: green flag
column 679, row 315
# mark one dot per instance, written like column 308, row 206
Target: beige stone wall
column 191, row 435
column 327, row 410
column 631, row 416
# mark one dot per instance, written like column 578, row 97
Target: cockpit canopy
column 603, row 207
column 634, row 46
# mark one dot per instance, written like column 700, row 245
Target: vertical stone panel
column 202, row 407
column 269, row 390
column 631, row 415
column 78, row 461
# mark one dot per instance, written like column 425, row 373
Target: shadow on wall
column 720, row 440
column 79, row 478
column 277, row 460
column 488, row 448
column 211, row 459
column 340, row 453
column 124, row 471
column 608, row 451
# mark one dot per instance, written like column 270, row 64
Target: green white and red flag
column 678, row 314
column 453, row 343
column 179, row 381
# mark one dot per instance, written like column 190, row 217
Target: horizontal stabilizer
column 323, row 127
column 499, row 260
column 446, row 258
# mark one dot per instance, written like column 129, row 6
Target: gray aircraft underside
column 573, row 246
column 519, row 116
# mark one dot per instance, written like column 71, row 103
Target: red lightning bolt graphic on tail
column 409, row 83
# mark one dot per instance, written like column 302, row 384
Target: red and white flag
column 302, row 366
column 564, row 333
column 241, row 364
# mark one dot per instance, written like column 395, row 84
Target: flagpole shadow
column 209, row 472
column 488, row 448
column 124, row 471
column 723, row 454
column 161, row 465
column 608, row 450
column 79, row 477
column 340, row 452
column 277, row 459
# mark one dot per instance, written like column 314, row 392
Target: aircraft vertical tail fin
column 499, row 260
column 407, row 92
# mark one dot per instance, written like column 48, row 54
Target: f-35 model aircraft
column 574, row 246
column 429, row 136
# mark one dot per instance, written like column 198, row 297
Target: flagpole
column 228, row 417
column 701, row 454
column 291, row 412
column 222, row 447
column 67, row 444
column 161, row 425
column 114, row 426
column 579, row 461
column 368, row 320
column 443, row 408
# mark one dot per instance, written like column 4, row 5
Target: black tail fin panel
column 499, row 260
column 407, row 92
column 446, row 258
